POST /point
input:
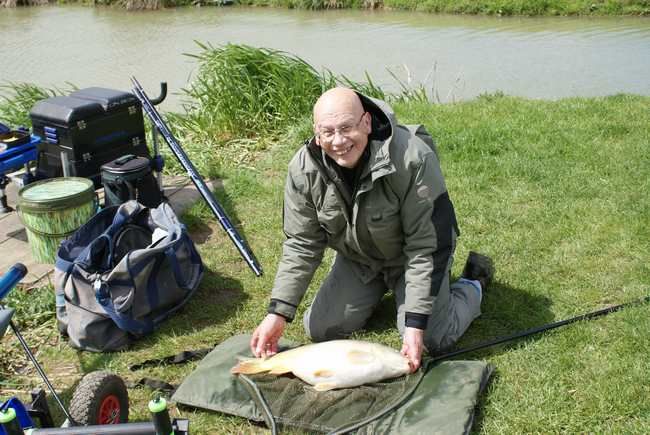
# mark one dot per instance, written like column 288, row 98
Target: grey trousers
column 344, row 303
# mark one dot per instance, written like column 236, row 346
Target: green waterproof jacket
column 399, row 220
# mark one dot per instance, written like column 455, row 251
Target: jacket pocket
column 331, row 216
column 385, row 228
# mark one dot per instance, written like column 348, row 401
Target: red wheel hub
column 109, row 410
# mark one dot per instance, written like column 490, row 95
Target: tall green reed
column 17, row 100
column 243, row 91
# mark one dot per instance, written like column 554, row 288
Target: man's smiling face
column 341, row 126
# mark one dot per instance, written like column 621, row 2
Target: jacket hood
column 383, row 118
column 384, row 124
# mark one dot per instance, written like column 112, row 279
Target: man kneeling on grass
column 373, row 191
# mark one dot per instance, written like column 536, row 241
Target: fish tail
column 250, row 366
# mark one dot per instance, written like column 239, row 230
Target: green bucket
column 53, row 209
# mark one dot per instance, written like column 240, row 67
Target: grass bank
column 478, row 7
column 554, row 191
column 474, row 7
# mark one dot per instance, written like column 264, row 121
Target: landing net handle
column 184, row 160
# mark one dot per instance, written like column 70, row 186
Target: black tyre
column 100, row 398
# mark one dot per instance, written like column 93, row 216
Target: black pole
column 216, row 208
column 539, row 329
column 159, row 163
column 40, row 371
column 163, row 94
column 7, row 282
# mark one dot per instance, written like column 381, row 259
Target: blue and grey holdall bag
column 123, row 273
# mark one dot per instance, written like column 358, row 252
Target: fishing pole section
column 540, row 329
column 217, row 210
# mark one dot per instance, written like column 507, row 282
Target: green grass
column 554, row 191
column 32, row 306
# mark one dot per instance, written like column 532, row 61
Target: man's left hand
column 413, row 347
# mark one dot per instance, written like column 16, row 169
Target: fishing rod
column 539, row 329
column 184, row 160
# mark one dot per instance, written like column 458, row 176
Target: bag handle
column 176, row 268
column 170, row 252
column 123, row 322
column 109, row 258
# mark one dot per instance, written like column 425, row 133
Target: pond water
column 455, row 57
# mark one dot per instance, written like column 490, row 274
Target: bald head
column 336, row 102
column 341, row 126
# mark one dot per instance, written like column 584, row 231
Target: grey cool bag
column 122, row 273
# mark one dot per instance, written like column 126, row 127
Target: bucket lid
column 127, row 164
column 56, row 193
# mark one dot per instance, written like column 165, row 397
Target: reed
column 17, row 100
column 14, row 3
column 311, row 4
column 524, row 7
column 470, row 7
column 246, row 91
column 474, row 7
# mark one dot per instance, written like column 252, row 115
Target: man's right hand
column 264, row 342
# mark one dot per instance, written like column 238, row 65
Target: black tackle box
column 88, row 128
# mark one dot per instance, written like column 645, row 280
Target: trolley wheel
column 100, row 398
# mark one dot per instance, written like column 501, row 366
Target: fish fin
column 324, row 386
column 249, row 366
column 279, row 369
column 323, row 373
column 359, row 357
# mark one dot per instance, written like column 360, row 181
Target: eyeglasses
column 327, row 135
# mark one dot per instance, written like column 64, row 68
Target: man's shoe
column 480, row 268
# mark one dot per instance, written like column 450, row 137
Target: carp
column 332, row 364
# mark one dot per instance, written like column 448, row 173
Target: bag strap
column 154, row 384
column 109, row 257
column 180, row 358
column 183, row 283
column 170, row 252
column 123, row 322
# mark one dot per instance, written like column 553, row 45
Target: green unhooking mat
column 438, row 399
